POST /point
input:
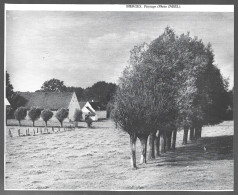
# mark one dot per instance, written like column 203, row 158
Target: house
column 100, row 109
column 87, row 108
column 7, row 102
column 52, row 101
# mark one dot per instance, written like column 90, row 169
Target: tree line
column 169, row 84
column 100, row 91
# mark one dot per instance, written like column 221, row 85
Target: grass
column 98, row 158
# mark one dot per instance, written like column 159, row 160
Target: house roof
column 50, row 100
column 82, row 104
column 97, row 105
column 91, row 111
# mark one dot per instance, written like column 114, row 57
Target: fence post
column 10, row 133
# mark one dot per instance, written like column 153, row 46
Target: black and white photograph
column 129, row 97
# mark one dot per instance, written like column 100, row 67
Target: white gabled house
column 88, row 109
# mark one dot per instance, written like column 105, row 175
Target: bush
column 88, row 120
column 78, row 115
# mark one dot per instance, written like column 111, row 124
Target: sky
column 82, row 48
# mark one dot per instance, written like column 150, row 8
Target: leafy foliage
column 20, row 114
column 88, row 120
column 34, row 114
column 172, row 80
column 53, row 85
column 46, row 115
column 78, row 115
column 61, row 114
column 9, row 88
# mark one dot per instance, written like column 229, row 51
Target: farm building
column 87, row 108
column 7, row 102
column 100, row 109
column 55, row 101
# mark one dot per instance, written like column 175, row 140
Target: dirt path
column 99, row 159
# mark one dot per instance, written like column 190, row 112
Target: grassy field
column 99, row 159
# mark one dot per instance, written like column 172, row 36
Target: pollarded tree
column 208, row 105
column 61, row 114
column 144, row 98
column 34, row 114
column 78, row 115
column 46, row 115
column 20, row 114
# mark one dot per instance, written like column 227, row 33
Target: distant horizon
column 82, row 48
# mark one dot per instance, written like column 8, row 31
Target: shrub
column 78, row 115
column 88, row 120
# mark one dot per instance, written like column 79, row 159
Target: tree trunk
column 174, row 139
column 157, row 145
column 163, row 142
column 133, row 150
column 200, row 132
column 19, row 122
column 152, row 145
column 61, row 123
column 196, row 133
column 33, row 123
column 185, row 135
column 191, row 133
column 168, row 140
column 46, row 123
column 143, row 141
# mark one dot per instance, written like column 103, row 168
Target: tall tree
column 53, row 85
column 144, row 99
column 9, row 88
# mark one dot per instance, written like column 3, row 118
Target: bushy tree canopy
column 78, row 115
column 9, row 88
column 46, row 115
column 34, row 114
column 53, row 85
column 61, row 114
column 20, row 114
column 170, row 82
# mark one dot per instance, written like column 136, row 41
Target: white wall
column 73, row 105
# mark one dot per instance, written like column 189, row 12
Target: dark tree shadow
column 208, row 148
